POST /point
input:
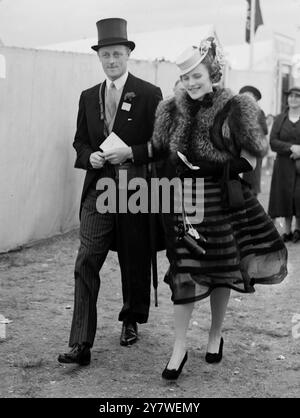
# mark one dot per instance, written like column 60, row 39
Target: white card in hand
column 186, row 161
column 111, row 142
column 250, row 158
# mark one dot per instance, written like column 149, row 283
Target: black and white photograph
column 149, row 202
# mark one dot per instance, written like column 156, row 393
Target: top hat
column 112, row 31
column 250, row 89
column 293, row 90
column 189, row 59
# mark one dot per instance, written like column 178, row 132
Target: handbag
column 192, row 245
column 232, row 192
column 189, row 236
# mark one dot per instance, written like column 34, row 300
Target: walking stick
column 152, row 235
column 153, row 256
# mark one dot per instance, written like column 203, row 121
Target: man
column 254, row 177
column 123, row 105
column 178, row 86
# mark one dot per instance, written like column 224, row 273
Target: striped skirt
column 242, row 248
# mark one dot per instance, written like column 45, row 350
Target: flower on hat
column 204, row 46
column 209, row 45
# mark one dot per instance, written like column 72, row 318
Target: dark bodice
column 290, row 132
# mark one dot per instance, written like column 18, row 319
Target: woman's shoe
column 215, row 357
column 173, row 374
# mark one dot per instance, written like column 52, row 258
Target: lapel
column 122, row 115
column 97, row 121
column 101, row 100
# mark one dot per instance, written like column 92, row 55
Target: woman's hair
column 212, row 60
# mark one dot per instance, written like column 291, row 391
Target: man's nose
column 111, row 59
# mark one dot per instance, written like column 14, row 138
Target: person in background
column 254, row 177
column 178, row 86
column 235, row 245
column 285, row 184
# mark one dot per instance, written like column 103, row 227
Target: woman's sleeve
column 159, row 147
column 244, row 126
column 263, row 122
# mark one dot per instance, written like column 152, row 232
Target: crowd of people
column 202, row 132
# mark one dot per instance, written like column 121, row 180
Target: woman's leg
column 297, row 225
column 182, row 316
column 218, row 303
column 288, row 225
column 296, row 234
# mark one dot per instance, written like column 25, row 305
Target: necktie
column 111, row 101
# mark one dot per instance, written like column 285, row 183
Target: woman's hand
column 295, row 149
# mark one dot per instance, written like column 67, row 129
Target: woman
column 285, row 185
column 210, row 126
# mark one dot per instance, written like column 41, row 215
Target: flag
column 258, row 20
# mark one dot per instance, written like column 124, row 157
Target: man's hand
column 97, row 159
column 118, row 155
column 295, row 152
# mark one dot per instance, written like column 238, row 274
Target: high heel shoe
column 174, row 373
column 215, row 357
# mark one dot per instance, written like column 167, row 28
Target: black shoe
column 80, row 354
column 129, row 334
column 287, row 237
column 173, row 374
column 296, row 236
column 215, row 357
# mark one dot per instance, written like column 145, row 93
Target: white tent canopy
column 239, row 55
column 162, row 45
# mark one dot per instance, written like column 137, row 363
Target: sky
column 33, row 23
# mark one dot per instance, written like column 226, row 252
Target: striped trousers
column 97, row 232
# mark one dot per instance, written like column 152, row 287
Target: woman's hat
column 112, row 31
column 293, row 90
column 250, row 89
column 189, row 59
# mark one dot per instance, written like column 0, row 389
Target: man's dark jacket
column 133, row 126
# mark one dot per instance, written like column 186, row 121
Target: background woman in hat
column 285, row 185
column 211, row 127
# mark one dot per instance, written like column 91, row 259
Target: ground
column 261, row 353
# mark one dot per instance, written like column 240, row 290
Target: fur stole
column 216, row 130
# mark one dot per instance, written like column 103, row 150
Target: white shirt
column 119, row 82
